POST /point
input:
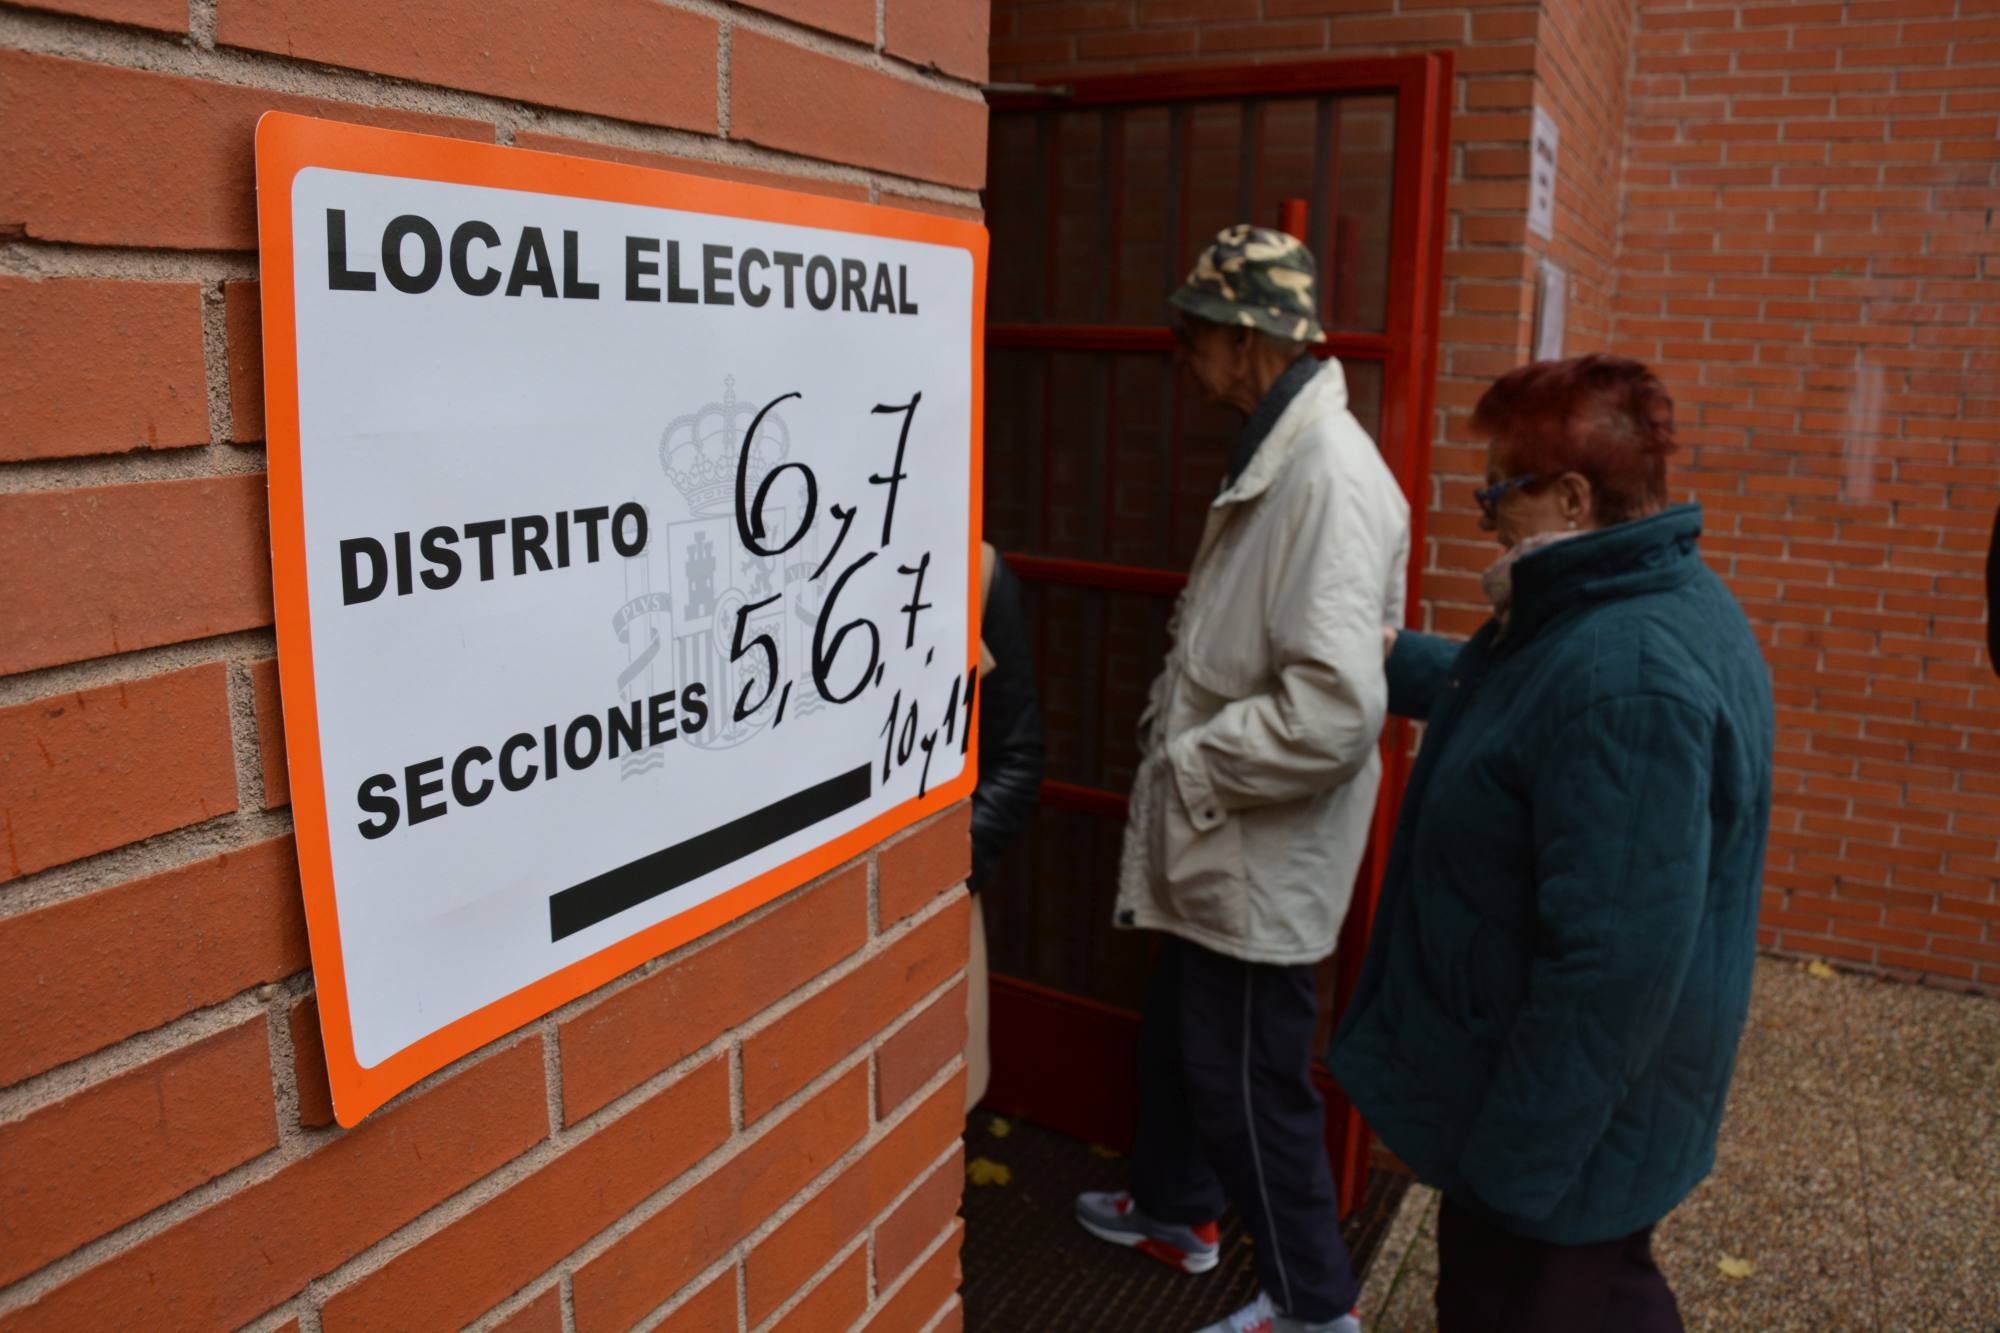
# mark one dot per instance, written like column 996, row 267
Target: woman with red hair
column 1560, row 965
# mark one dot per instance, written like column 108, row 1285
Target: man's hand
column 1389, row 633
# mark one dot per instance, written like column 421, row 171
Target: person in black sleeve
column 1011, row 759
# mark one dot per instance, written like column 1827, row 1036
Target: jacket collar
column 1645, row 555
column 1258, row 424
column 1325, row 391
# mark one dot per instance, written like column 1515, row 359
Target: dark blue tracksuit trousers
column 1227, row 1109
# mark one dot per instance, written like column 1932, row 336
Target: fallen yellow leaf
column 1734, row 1268
column 1104, row 1152
column 985, row 1171
column 999, row 1128
column 1818, row 969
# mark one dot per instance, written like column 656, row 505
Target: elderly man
column 1251, row 806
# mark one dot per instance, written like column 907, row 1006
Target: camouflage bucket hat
column 1256, row 278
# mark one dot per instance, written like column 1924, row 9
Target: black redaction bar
column 614, row 891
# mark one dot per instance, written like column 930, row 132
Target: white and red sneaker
column 1260, row 1316
column 1114, row 1217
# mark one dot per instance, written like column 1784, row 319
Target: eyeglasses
column 1489, row 497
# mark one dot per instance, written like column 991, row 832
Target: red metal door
column 1100, row 466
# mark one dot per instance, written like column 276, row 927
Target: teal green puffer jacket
column 1560, row 967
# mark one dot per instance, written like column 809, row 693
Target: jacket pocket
column 1203, row 872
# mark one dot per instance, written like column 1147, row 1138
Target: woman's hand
column 1389, row 633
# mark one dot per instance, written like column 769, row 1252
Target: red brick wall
column 1810, row 260
column 1787, row 207
column 1586, row 53
column 759, row 1131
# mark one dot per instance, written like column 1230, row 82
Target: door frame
column 1067, row 1084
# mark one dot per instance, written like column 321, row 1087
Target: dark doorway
column 1100, row 467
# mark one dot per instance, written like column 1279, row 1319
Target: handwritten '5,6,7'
column 828, row 638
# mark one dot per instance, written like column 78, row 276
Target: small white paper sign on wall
column 1551, row 310
column 1542, row 177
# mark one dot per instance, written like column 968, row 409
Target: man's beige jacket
column 1251, row 805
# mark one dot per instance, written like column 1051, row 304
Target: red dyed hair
column 1607, row 418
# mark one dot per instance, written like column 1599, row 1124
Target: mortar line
column 284, row 1058
column 552, row 1071
column 812, row 1284
column 895, row 1289
column 215, row 364
column 698, row 1285
column 245, row 739
column 203, row 461
column 725, row 31
column 519, row 1300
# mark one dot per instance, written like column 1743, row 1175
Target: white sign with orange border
column 624, row 529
